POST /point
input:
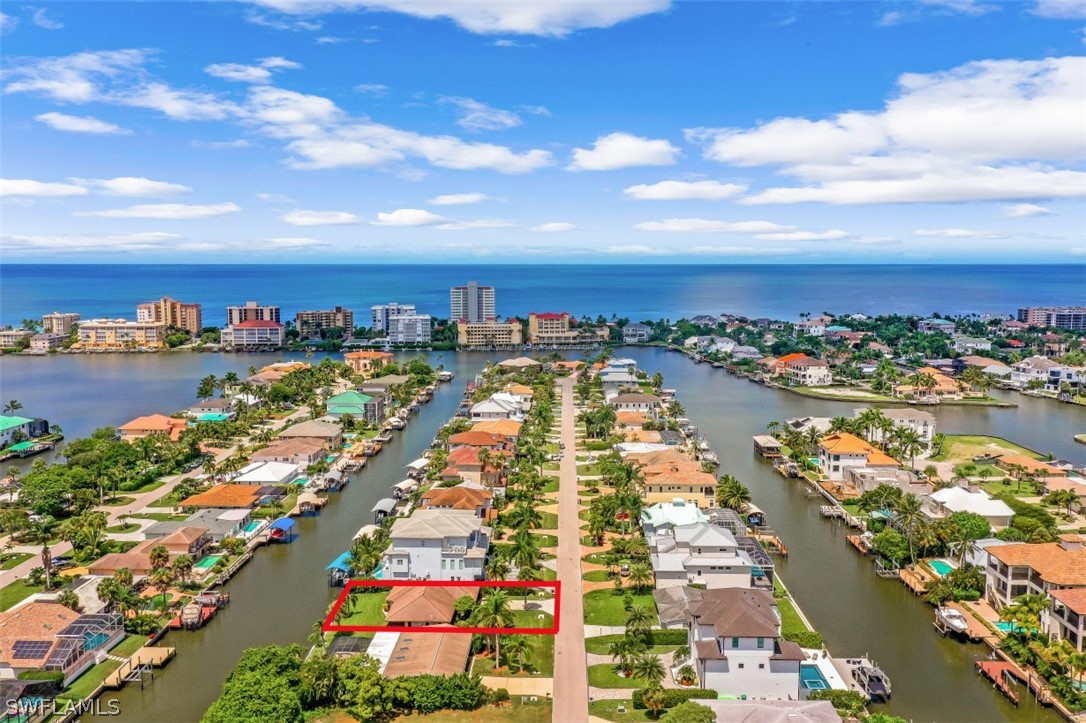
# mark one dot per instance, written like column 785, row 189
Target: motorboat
column 952, row 619
column 871, row 678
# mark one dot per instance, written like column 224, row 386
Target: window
column 735, row 642
column 761, row 642
column 741, row 666
column 442, row 564
column 761, row 666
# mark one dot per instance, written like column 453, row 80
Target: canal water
column 283, row 591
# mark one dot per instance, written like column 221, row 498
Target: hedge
column 669, row 637
column 805, row 638
column 674, row 697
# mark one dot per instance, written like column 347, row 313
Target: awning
column 386, row 505
column 333, row 475
column 341, row 563
column 366, row 531
column 419, row 464
column 407, row 485
column 283, row 523
column 308, row 497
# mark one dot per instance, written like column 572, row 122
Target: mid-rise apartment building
column 489, row 335
column 253, row 333
column 251, row 312
column 471, row 303
column 58, row 323
column 121, row 334
column 1061, row 317
column 311, row 322
column 409, row 328
column 550, row 328
column 172, row 312
column 381, row 313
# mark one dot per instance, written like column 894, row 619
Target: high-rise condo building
column 381, row 313
column 310, row 322
column 58, row 323
column 251, row 312
column 172, row 312
column 471, row 303
column 409, row 329
column 1072, row 318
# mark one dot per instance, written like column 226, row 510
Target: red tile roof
column 258, row 324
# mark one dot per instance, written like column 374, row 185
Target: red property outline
column 329, row 626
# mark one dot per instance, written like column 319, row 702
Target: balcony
column 454, row 550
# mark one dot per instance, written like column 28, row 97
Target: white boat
column 952, row 619
column 445, row 376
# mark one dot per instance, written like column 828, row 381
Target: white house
column 722, row 345
column 617, row 379
column 647, row 404
column 969, row 344
column 949, row 500
column 267, row 473
column 437, row 544
column 746, row 352
column 921, row 422
column 699, row 553
column 734, row 640
column 636, row 333
column 12, row 425
column 663, row 516
column 698, row 342
column 813, row 327
column 501, row 405
column 933, row 325
column 808, row 372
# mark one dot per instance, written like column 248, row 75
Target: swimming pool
column 213, row 417
column 207, row 563
column 330, row 458
column 252, row 527
column 811, row 678
column 942, row 568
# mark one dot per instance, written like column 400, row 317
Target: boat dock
column 916, row 579
column 839, row 513
column 976, row 630
column 141, row 665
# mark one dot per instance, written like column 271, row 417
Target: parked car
column 624, row 570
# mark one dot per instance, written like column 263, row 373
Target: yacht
column 952, row 619
column 871, row 678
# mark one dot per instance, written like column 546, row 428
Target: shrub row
column 669, row 637
column 805, row 638
column 674, row 697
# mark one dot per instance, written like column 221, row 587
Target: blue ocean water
column 635, row 291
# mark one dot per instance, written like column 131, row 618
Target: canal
column 859, row 613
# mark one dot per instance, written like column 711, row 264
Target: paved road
column 570, row 663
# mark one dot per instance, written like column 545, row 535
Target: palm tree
column 494, row 612
column 182, row 567
column 840, row 424
column 161, row 579
column 681, row 653
column 159, row 557
column 70, row 600
column 733, row 494
column 12, row 407
column 640, row 576
column 638, row 620
column 908, row 516
column 516, row 646
column 648, row 668
column 1025, row 613
column 655, row 699
column 910, row 443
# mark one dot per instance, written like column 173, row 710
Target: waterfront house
column 1034, row 568
column 466, row 464
column 1032, row 372
column 695, row 487
column 944, row 387
column 618, row 379
column 186, row 540
column 1065, row 615
column 521, row 363
column 14, row 428
column 647, row 404
column 366, row 364
column 419, row 606
column 989, row 366
column 267, row 473
column 48, row 636
column 220, row 523
column 170, row 427
column 722, row 345
column 224, row 495
column 838, row 451
column 300, row 451
column 461, row 497
column 328, row 433
column 919, row 421
column 804, row 371
column 215, row 406
column 46, row 342
column 360, row 406
column 252, row 334
column 636, row 333
column 949, row 500
column 734, row 639
column 1028, row 466
column 501, row 405
column 662, row 517
column 437, row 545
column 699, row 553
column 12, row 338
column 742, row 352
column 803, row 424
column 485, row 440
column 631, row 420
column 383, row 386
column 935, row 325
column 504, row 427
column 428, row 654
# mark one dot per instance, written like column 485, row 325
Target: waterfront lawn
column 604, row 607
column 365, row 609
column 608, row 710
column 540, row 658
column 962, row 448
column 791, row 622
column 88, row 682
column 12, row 559
column 603, row 675
column 128, row 646
column 848, row 394
column 598, row 645
column 15, row 592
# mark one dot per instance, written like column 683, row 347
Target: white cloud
column 377, row 90
column 330, row 40
column 701, row 225
column 72, row 78
column 291, row 242
column 555, row 19
column 478, row 116
column 320, row 218
column 1077, row 251
column 407, row 217
column 986, row 130
column 955, row 233
column 803, row 235
column 178, row 104
column 239, row 72
column 685, row 191
column 221, row 145
column 892, row 17
column 8, row 23
column 457, row 199
column 131, row 186
column 283, row 23
column 278, row 63
column 80, row 124
column 275, row 198
column 166, row 211
column 741, row 251
column 622, row 150
column 476, row 224
column 110, row 243
column 1024, row 210
column 555, row 227
column 632, row 249
column 42, row 20
column 875, row 240
column 1061, row 9
column 37, row 189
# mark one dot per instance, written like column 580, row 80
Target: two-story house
column 805, row 371
column 921, row 422
column 501, row 405
column 437, row 544
column 647, row 404
column 1035, row 569
column 734, row 640
column 838, row 451
column 699, row 553
column 1066, row 615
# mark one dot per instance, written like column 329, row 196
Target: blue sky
column 626, row 132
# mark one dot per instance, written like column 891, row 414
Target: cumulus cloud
column 477, row 116
column 554, row 19
column 1061, row 9
column 1024, row 210
column 986, row 130
column 803, row 235
column 623, row 150
column 457, row 199
column 955, row 233
column 702, row 225
column 131, row 186
column 275, row 198
column 240, row 73
column 80, row 124
column 276, row 62
column 42, row 20
column 377, row 90
column 38, row 189
column 166, row 211
column 555, row 227
column 320, row 218
column 7, row 23
column 685, row 191
column 476, row 224
column 408, row 217
column 107, row 243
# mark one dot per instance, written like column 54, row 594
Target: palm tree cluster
column 630, row 652
column 732, row 493
column 870, row 425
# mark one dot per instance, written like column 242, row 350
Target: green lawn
column 366, row 609
column 841, row 393
column 129, row 645
column 552, row 466
column 121, row 529
column 962, row 448
column 86, row 683
column 158, row 516
column 12, row 559
column 546, row 540
column 149, row 487
column 790, row 619
column 551, row 486
column 608, row 710
column 596, row 576
column 540, row 657
column 603, row 675
column 598, row 645
column 603, row 607
column 119, row 501
column 589, row 470
column 550, row 520
column 15, row 592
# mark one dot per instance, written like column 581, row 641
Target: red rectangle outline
column 328, row 626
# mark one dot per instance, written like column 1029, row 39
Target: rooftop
column 738, row 612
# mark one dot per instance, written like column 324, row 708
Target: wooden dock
column 915, row 579
column 140, row 665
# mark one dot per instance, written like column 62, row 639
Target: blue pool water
column 252, row 526
column 213, row 417
column 942, row 567
column 811, row 678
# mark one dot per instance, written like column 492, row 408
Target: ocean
column 638, row 292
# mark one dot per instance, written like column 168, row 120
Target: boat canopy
column 407, row 485
column 366, row 531
column 386, row 505
column 418, row 465
column 335, row 475
column 308, row 497
column 283, row 523
column 341, row 563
